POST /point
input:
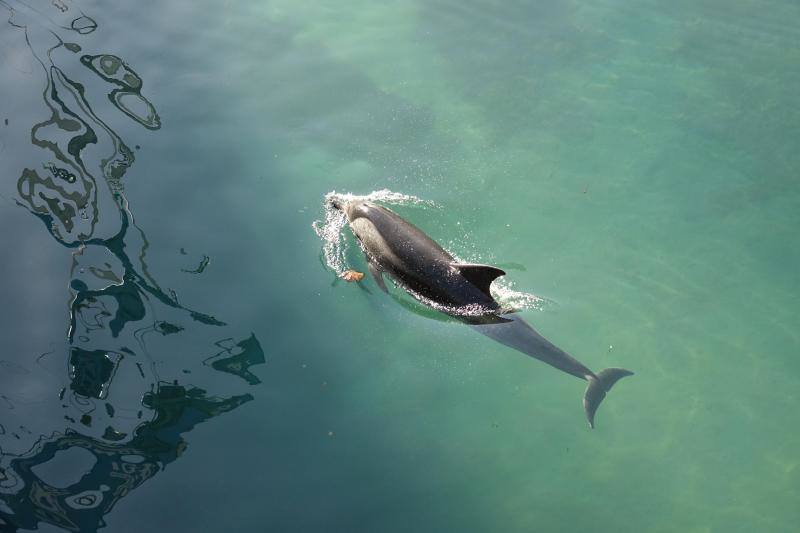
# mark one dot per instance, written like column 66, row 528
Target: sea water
column 180, row 353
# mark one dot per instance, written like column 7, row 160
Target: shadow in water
column 121, row 411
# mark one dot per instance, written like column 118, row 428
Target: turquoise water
column 177, row 355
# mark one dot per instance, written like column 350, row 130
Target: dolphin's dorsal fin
column 481, row 276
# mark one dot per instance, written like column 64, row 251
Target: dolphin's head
column 353, row 209
column 337, row 204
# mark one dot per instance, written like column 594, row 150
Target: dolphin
column 395, row 247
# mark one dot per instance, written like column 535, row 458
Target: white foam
column 508, row 298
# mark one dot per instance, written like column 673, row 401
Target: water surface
column 178, row 356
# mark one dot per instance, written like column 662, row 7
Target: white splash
column 383, row 195
column 334, row 245
column 508, row 298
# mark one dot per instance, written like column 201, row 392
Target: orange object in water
column 352, row 275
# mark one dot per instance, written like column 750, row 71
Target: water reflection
column 113, row 70
column 122, row 399
column 117, row 468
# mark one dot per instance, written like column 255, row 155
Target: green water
column 177, row 357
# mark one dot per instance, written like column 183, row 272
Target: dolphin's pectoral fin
column 378, row 275
column 481, row 276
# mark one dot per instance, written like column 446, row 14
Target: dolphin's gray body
column 396, row 247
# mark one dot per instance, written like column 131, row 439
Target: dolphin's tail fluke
column 599, row 385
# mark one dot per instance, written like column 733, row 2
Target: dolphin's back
column 402, row 238
column 412, row 257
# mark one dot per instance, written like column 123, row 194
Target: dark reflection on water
column 118, row 467
column 121, row 405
